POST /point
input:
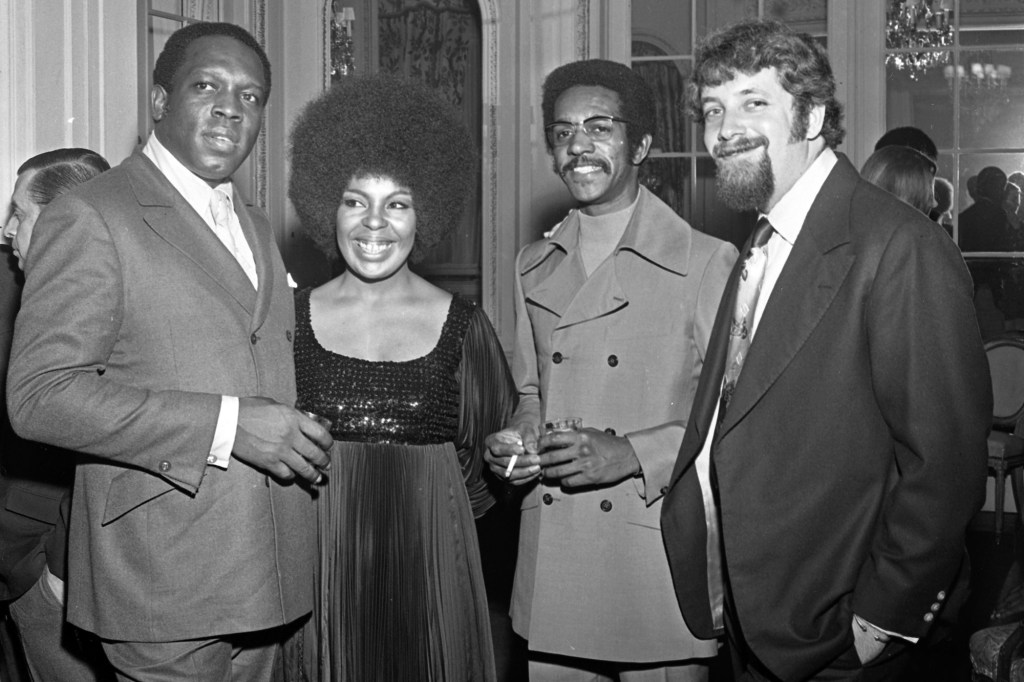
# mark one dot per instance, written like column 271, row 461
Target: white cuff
column 224, row 435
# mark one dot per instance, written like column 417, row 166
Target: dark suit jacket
column 33, row 479
column 985, row 227
column 853, row 453
column 135, row 320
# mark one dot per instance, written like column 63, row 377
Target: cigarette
column 511, row 466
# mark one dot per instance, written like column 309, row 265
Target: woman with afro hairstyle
column 412, row 379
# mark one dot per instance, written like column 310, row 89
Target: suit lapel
column 258, row 233
column 698, row 425
column 809, row 282
column 170, row 216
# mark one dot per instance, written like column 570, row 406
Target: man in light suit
column 819, row 503
column 155, row 338
column 613, row 313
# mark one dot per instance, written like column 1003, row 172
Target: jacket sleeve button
column 929, row 617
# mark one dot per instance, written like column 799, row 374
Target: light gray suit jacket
column 135, row 320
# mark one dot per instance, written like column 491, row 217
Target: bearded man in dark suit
column 836, row 448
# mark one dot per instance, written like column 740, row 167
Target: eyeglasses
column 597, row 128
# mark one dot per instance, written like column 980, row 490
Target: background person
column 155, row 339
column 905, row 173
column 842, row 467
column 35, row 481
column 412, row 379
column 612, row 320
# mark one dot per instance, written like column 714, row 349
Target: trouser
column 53, row 649
column 247, row 657
column 554, row 668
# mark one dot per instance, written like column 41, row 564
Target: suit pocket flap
column 131, row 489
column 41, row 505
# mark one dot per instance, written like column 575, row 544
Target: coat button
column 606, row 505
column 929, row 617
column 613, row 360
column 547, row 498
column 556, row 357
column 941, row 596
column 610, row 431
column 253, row 339
column 165, row 466
column 288, row 335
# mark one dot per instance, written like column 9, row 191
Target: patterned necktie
column 742, row 325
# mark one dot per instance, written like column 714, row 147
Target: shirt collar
column 787, row 217
column 194, row 189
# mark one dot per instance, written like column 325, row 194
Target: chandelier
column 918, row 30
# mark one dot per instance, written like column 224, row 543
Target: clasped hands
column 588, row 457
column 281, row 441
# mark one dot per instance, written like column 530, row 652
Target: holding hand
column 280, row 440
column 512, row 454
column 587, row 457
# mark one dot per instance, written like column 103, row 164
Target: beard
column 743, row 185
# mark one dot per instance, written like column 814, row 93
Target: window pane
column 920, row 96
column 992, row 99
column 991, row 22
column 669, row 179
column 662, row 24
column 160, row 30
column 171, row 6
column 668, row 81
column 990, row 216
column 998, row 294
column 809, row 16
column 721, row 13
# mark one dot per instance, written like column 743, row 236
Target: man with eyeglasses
column 613, row 315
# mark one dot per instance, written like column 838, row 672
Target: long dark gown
column 400, row 587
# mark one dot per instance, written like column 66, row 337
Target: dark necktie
column 742, row 325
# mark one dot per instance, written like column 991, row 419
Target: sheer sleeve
column 487, row 400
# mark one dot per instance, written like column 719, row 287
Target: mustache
column 573, row 164
column 723, row 150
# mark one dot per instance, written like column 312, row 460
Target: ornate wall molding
column 491, row 286
column 582, row 29
column 259, row 170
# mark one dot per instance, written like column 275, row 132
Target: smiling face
column 212, row 116
column 376, row 227
column 22, row 217
column 601, row 175
column 760, row 144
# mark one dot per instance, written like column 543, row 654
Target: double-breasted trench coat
column 622, row 350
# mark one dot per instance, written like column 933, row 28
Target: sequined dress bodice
column 414, row 402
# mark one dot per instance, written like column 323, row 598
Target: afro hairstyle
column 173, row 54
column 381, row 126
column 635, row 95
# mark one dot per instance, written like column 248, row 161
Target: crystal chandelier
column 922, row 24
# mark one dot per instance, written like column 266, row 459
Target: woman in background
column 412, row 379
column 904, row 172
